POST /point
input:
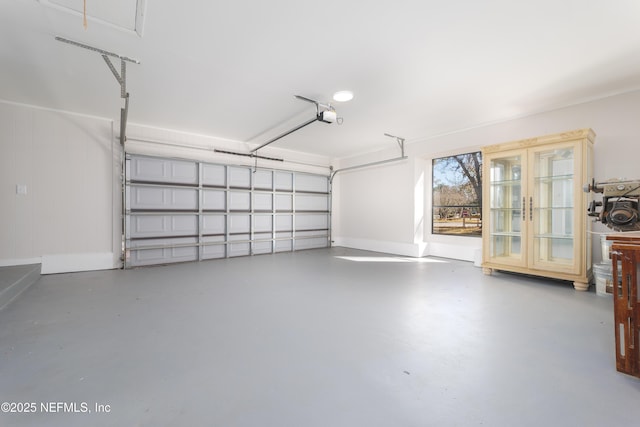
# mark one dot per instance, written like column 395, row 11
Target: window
column 457, row 195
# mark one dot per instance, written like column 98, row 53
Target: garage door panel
column 284, row 181
column 312, row 183
column 284, row 245
column 145, row 226
column 284, row 222
column 214, row 251
column 312, row 222
column 239, row 249
column 239, row 177
column 214, row 175
column 157, row 198
column 143, row 257
column 263, row 202
column 239, row 224
column 239, row 237
column 263, row 179
column 311, row 243
column 262, row 247
column 182, row 210
column 284, row 202
column 214, row 200
column 169, row 241
column 239, row 200
column 312, row 233
column 312, row 202
column 214, row 224
column 262, row 223
column 150, row 169
column 162, row 251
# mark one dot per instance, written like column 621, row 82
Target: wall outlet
column 21, row 189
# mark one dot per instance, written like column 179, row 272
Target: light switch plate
column 21, row 189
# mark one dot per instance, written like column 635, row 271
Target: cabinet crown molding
column 572, row 135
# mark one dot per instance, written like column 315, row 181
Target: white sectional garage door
column 182, row 210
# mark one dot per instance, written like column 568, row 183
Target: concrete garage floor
column 315, row 338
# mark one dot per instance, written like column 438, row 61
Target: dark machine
column 618, row 208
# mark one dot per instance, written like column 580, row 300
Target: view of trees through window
column 457, row 195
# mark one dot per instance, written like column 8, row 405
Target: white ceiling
column 231, row 69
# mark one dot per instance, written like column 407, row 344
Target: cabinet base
column 580, row 283
column 579, row 286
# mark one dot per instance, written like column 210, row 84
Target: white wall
column 69, row 217
column 379, row 208
column 378, row 194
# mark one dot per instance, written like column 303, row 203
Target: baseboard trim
column 68, row 263
column 415, row 250
column 463, row 252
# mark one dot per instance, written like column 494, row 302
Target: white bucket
column 603, row 277
column 606, row 247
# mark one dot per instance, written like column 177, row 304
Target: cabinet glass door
column 506, row 199
column 552, row 207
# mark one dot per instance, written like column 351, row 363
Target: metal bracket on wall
column 120, row 77
column 400, row 142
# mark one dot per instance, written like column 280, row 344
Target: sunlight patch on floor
column 388, row 259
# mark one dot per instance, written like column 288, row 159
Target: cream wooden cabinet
column 534, row 209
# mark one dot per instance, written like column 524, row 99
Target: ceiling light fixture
column 343, row 96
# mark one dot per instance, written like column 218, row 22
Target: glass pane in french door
column 505, row 205
column 553, row 209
